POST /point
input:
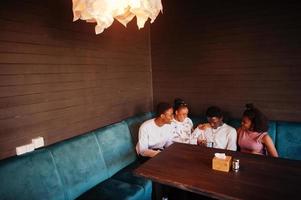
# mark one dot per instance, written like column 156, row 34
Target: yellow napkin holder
column 222, row 164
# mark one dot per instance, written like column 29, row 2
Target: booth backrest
column 116, row 145
column 80, row 164
column 32, row 176
column 288, row 140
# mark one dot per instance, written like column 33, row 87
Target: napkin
column 220, row 156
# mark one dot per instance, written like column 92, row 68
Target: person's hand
column 157, row 152
column 204, row 126
column 201, row 142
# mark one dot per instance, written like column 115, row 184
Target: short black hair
column 162, row 107
column 214, row 111
column 260, row 122
column 179, row 103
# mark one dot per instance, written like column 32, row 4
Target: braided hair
column 179, row 104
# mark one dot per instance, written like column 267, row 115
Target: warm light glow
column 103, row 12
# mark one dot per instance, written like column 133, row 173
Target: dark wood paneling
column 58, row 79
column 229, row 53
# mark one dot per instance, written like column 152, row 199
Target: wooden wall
column 58, row 79
column 229, row 53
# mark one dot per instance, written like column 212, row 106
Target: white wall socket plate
column 21, row 150
column 29, row 147
column 24, row 149
column 38, row 142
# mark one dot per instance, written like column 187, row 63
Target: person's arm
column 190, row 124
column 238, row 131
column 268, row 142
column 150, row 153
column 142, row 147
column 204, row 126
column 232, row 140
column 195, row 135
column 170, row 141
column 198, row 135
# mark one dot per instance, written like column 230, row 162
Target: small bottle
column 209, row 144
column 235, row 165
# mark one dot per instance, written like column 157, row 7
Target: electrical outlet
column 38, row 142
column 29, row 147
column 21, row 150
column 24, row 149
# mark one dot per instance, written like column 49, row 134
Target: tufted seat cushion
column 127, row 175
column 113, row 189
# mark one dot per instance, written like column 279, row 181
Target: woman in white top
column 182, row 125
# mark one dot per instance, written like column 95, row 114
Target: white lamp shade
column 103, row 12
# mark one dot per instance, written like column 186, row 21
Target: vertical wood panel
column 58, row 79
column 229, row 53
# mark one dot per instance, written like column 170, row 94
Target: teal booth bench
column 99, row 164
column 96, row 165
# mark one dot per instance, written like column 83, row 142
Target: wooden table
column 189, row 167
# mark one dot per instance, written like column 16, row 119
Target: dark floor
column 160, row 191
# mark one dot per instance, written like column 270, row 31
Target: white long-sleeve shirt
column 224, row 137
column 152, row 136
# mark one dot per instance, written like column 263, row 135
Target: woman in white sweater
column 182, row 124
